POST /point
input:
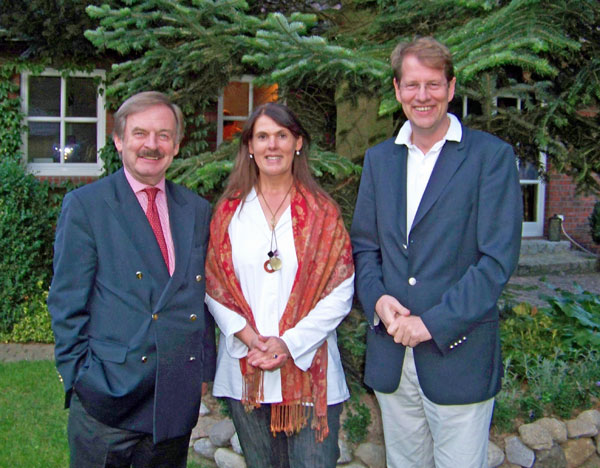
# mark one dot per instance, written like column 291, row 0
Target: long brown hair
column 245, row 173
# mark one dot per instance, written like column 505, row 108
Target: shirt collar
column 138, row 186
column 454, row 132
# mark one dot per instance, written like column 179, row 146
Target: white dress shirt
column 419, row 166
column 267, row 295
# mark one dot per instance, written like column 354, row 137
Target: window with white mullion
column 66, row 122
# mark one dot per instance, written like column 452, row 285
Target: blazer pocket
column 108, row 351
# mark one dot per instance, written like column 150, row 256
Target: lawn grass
column 33, row 423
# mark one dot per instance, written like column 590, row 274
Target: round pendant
column 275, row 263
column 267, row 267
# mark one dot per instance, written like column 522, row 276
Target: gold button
column 139, row 275
column 198, row 278
column 144, row 358
column 193, row 317
column 154, row 316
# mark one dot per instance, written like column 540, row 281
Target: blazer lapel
column 130, row 215
column 182, row 220
column 400, row 158
column 449, row 160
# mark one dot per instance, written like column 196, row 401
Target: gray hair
column 142, row 101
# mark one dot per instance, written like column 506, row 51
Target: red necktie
column 153, row 218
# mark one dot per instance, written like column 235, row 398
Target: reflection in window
column 43, row 142
column 239, row 98
column 528, row 171
column 80, row 144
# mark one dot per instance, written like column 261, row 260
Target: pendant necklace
column 273, row 263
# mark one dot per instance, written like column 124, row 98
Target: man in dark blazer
column 134, row 342
column 436, row 235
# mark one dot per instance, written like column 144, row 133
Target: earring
column 251, row 155
column 297, row 153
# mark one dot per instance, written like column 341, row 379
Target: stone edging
column 545, row 443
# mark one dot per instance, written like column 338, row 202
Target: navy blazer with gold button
column 463, row 246
column 134, row 343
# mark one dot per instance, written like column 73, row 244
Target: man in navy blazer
column 436, row 235
column 134, row 342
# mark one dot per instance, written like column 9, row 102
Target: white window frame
column 536, row 228
column 61, row 168
column 530, row 228
column 220, row 106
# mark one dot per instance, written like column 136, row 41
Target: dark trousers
column 93, row 444
column 300, row 450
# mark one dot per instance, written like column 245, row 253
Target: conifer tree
column 546, row 54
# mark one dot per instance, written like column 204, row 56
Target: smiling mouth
column 151, row 155
column 423, row 108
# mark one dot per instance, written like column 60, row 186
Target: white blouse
column 267, row 295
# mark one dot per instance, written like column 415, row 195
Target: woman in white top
column 279, row 281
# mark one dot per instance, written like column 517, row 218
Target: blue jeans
column 299, row 450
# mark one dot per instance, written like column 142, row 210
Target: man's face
column 148, row 145
column 424, row 94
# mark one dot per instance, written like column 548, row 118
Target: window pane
column 80, row 143
column 527, row 171
column 81, row 97
column 529, row 202
column 235, row 99
column 231, row 128
column 43, row 142
column 44, row 96
column 264, row 94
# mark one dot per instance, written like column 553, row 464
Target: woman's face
column 273, row 147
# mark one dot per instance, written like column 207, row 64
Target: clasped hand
column 406, row 329
column 268, row 352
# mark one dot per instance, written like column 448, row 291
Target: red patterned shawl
column 324, row 261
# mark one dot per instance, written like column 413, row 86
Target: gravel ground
column 529, row 288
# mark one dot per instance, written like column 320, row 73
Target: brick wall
column 561, row 199
column 75, row 179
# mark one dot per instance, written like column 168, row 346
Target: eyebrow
column 162, row 130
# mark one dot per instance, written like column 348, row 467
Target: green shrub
column 551, row 358
column 110, row 159
column 35, row 324
column 352, row 343
column 358, row 418
column 595, row 223
column 576, row 315
column 28, row 214
column 526, row 330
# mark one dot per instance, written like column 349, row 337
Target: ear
column 451, row 88
column 397, row 90
column 118, row 143
column 250, row 147
column 299, row 143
